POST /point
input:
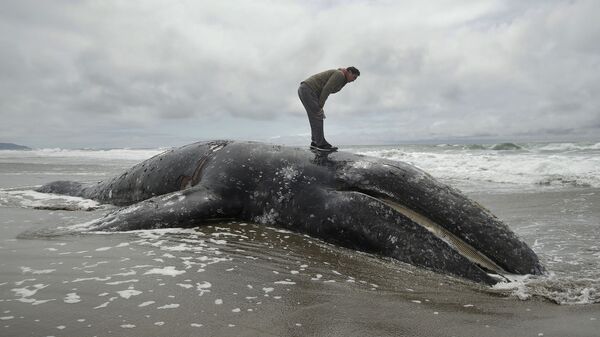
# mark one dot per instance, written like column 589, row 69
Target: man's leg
column 316, row 126
column 311, row 103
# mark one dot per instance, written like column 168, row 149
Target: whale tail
column 71, row 188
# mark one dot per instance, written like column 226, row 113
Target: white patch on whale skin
column 269, row 218
column 362, row 164
column 288, row 173
column 172, row 197
column 216, row 147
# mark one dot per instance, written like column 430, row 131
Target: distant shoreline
column 11, row 146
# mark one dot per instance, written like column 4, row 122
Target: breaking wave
column 510, row 166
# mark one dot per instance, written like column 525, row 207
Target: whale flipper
column 186, row 208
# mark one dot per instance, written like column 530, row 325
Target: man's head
column 352, row 73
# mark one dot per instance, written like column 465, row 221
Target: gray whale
column 369, row 204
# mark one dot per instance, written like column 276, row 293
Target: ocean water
column 245, row 279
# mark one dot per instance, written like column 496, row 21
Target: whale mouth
column 455, row 242
column 463, row 248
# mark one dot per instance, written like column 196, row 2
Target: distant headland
column 11, row 146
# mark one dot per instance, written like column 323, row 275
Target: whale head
column 461, row 223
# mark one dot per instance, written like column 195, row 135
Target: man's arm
column 333, row 85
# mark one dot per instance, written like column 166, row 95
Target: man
column 313, row 93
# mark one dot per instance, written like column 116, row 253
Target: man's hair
column 353, row 70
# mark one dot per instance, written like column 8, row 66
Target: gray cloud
column 108, row 73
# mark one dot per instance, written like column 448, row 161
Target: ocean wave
column 112, row 154
column 506, row 147
column 505, row 169
column 494, row 147
column 560, row 290
column 483, row 147
column 32, row 199
column 475, row 147
column 563, row 147
column 560, row 180
column 541, row 147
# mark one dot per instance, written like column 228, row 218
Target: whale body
column 374, row 205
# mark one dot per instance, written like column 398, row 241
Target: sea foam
column 552, row 165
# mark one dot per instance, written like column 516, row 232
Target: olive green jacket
column 325, row 83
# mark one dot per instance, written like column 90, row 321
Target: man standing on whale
column 313, row 93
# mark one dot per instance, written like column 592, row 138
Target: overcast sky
column 164, row 73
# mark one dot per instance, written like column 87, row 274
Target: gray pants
column 310, row 100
